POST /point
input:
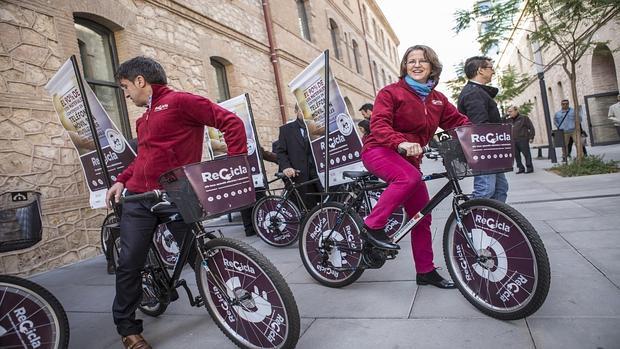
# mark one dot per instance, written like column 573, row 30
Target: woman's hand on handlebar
column 410, row 149
column 114, row 192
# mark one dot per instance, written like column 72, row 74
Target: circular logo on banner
column 251, row 146
column 115, row 140
column 345, row 126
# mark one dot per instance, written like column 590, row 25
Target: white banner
column 69, row 105
column 345, row 146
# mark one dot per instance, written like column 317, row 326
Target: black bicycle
column 494, row 255
column 242, row 290
column 30, row 316
column 276, row 218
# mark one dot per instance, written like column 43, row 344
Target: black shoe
column 520, row 171
column 378, row 238
column 250, row 232
column 433, row 278
column 529, row 171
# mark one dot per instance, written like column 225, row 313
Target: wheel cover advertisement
column 260, row 318
column 487, row 147
column 344, row 142
column 69, row 105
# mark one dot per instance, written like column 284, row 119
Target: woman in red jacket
column 405, row 117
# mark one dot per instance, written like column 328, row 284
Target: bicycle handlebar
column 149, row 195
column 425, row 150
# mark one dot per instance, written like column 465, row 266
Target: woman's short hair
column 430, row 55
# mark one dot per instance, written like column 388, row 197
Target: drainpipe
column 372, row 77
column 274, row 58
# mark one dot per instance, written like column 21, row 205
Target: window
column 382, row 39
column 304, row 28
column 221, row 78
column 374, row 28
column 356, row 57
column 383, row 74
column 99, row 62
column 335, row 34
column 376, row 72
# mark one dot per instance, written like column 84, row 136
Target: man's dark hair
column 472, row 64
column 152, row 71
column 366, row 107
column 565, row 100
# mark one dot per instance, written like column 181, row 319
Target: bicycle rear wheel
column 30, row 316
column 510, row 280
column 107, row 233
column 330, row 245
column 276, row 220
column 246, row 295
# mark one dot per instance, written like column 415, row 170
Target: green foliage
column 456, row 85
column 588, row 165
column 511, row 85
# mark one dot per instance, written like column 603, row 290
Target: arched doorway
column 347, row 101
column 604, row 94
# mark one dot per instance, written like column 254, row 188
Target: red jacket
column 171, row 133
column 399, row 115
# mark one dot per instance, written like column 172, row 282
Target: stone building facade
column 598, row 79
column 214, row 48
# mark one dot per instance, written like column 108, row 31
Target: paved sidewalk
column 577, row 219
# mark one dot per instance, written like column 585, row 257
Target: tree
column 567, row 26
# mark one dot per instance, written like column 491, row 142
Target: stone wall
column 37, row 37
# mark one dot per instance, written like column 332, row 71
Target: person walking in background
column 614, row 115
column 523, row 134
column 565, row 120
column 476, row 101
column 366, row 110
column 405, row 116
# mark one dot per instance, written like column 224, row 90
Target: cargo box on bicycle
column 20, row 220
column 211, row 188
column 477, row 149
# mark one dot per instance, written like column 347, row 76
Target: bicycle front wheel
column 505, row 274
column 276, row 220
column 31, row 317
column 330, row 245
column 246, row 295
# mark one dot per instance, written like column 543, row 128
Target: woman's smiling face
column 418, row 67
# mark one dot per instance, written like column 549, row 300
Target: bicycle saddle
column 356, row 174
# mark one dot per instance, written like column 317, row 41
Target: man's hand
column 410, row 149
column 290, row 172
column 114, row 193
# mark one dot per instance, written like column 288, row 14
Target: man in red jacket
column 170, row 134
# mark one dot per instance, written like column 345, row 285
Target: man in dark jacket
column 522, row 134
column 476, row 101
column 295, row 157
column 170, row 134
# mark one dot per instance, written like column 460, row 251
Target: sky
column 430, row 23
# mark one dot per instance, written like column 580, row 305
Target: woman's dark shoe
column 433, row 278
column 378, row 238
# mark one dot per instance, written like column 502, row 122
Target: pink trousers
column 405, row 187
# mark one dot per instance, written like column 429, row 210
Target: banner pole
column 257, row 142
column 91, row 122
column 326, row 110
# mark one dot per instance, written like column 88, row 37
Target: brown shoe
column 135, row 341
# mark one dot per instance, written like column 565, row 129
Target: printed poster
column 240, row 106
column 344, row 142
column 69, row 105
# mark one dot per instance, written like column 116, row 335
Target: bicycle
column 494, row 255
column 242, row 290
column 30, row 316
column 276, row 218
